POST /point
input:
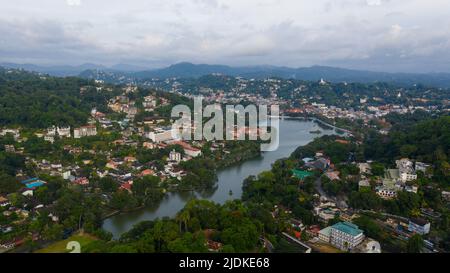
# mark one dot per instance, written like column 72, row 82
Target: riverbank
column 294, row 132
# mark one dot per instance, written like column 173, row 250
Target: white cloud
column 373, row 2
column 73, row 2
column 235, row 32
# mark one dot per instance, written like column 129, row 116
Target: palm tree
column 158, row 233
column 185, row 216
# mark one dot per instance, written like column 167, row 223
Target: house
column 127, row 186
column 320, row 164
column 345, row 235
column 81, row 181
column 368, row 246
column 10, row 149
column 332, row 175
column 63, row 131
column 363, row 184
column 174, row 156
column 213, row 246
column 130, row 159
column 188, row 149
column 386, row 192
column 422, row 167
column 4, row 201
column 148, row 145
column 419, row 226
column 325, row 234
column 406, row 170
column 446, row 195
column 112, row 165
column 84, row 131
column 313, row 230
column 49, row 138
column 147, row 172
column 364, row 168
column 412, row 189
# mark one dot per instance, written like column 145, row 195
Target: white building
column 324, row 234
column 160, row 135
column 49, row 138
column 174, row 156
column 420, row 166
column 364, row 168
column 406, row 170
column 368, row 246
column 63, row 131
column 84, row 131
column 386, row 192
column 419, row 226
column 345, row 235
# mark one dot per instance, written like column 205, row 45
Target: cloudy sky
column 383, row 35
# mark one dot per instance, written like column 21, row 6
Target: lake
column 293, row 133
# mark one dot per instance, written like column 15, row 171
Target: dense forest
column 38, row 101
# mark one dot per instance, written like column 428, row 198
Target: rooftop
column 348, row 228
column 301, row 174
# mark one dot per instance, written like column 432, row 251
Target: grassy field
column 325, row 248
column 60, row 247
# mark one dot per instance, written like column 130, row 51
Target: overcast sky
column 385, row 35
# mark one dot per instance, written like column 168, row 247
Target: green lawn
column 60, row 247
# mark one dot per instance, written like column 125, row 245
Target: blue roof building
column 345, row 235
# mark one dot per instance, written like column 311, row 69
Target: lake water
column 293, row 133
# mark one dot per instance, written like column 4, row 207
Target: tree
column 107, row 184
column 415, row 244
column 8, row 184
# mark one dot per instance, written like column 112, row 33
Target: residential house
column 406, row 170
column 147, row 172
column 320, row 164
column 4, row 201
column 332, row 175
column 81, row 181
column 419, row 226
column 325, row 234
column 364, row 168
column 423, row 167
column 175, row 156
column 368, row 246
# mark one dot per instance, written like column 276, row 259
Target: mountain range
column 189, row 70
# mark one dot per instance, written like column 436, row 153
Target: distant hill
column 314, row 73
column 127, row 73
column 67, row 70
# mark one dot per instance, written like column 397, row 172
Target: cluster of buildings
column 65, row 132
column 396, row 179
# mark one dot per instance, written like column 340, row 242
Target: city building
column 160, row 135
column 325, row 234
column 406, row 170
column 84, row 131
column 345, row 235
column 419, row 226
column 63, row 131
